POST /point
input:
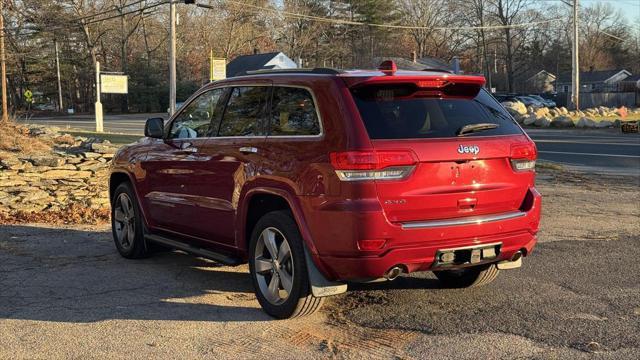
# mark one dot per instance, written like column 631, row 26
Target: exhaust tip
column 516, row 256
column 393, row 273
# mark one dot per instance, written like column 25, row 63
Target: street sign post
column 99, row 123
column 108, row 84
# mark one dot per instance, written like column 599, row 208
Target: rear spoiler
column 439, row 81
column 432, row 86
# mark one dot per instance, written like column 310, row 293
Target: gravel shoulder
column 65, row 293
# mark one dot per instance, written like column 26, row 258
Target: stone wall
column 75, row 173
column 563, row 118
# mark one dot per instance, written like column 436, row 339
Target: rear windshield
column 392, row 112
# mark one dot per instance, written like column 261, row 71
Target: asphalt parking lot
column 65, row 293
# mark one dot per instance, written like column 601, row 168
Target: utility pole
column 55, row 42
column 575, row 63
column 172, row 59
column 5, row 115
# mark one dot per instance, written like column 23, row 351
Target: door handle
column 248, row 149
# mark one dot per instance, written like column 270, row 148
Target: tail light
column 523, row 157
column 373, row 165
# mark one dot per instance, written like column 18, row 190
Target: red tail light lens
column 523, row 157
column 373, row 165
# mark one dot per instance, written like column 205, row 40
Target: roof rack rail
column 323, row 71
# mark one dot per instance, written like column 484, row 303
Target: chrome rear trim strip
column 462, row 221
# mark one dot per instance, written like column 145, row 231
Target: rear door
column 457, row 173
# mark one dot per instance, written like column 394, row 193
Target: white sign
column 114, row 84
column 218, row 69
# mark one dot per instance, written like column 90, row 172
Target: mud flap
column 507, row 265
column 320, row 286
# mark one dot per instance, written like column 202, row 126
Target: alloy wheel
column 124, row 219
column 274, row 266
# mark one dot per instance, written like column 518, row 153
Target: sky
column 629, row 8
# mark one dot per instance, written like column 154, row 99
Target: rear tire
column 278, row 267
column 468, row 277
column 126, row 223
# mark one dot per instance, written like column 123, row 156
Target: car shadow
column 402, row 282
column 69, row 275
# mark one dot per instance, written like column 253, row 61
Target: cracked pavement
column 66, row 293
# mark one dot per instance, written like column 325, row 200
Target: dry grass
column 73, row 215
column 16, row 138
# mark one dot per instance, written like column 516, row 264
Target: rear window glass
column 392, row 112
column 293, row 112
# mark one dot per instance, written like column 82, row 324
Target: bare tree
column 508, row 13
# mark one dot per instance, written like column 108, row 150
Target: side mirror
column 154, row 128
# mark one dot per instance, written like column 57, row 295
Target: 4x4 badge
column 473, row 149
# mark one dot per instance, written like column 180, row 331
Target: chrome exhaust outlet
column 393, row 273
column 516, row 256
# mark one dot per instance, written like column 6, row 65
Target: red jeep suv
column 319, row 177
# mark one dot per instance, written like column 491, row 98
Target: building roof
column 632, row 78
column 591, row 76
column 249, row 63
column 543, row 72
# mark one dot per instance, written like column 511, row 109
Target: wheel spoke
column 130, row 233
column 118, row 215
column 124, row 233
column 262, row 265
column 274, row 288
column 286, row 280
column 284, row 252
column 129, row 209
column 269, row 238
column 124, row 203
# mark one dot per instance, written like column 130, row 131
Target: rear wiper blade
column 471, row 128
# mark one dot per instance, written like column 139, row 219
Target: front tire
column 278, row 267
column 126, row 223
column 468, row 277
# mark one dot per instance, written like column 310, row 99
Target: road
column 66, row 293
column 599, row 151
column 124, row 124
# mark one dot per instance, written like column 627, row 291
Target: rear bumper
column 414, row 247
column 421, row 258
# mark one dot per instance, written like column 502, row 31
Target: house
column 632, row 83
column 272, row 60
column 593, row 81
column 539, row 82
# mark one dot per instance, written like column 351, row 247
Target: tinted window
column 195, row 120
column 293, row 112
column 395, row 113
column 245, row 112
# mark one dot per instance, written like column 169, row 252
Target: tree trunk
column 124, row 103
column 509, row 60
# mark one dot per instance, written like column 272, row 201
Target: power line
column 35, row 31
column 284, row 13
column 107, row 11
